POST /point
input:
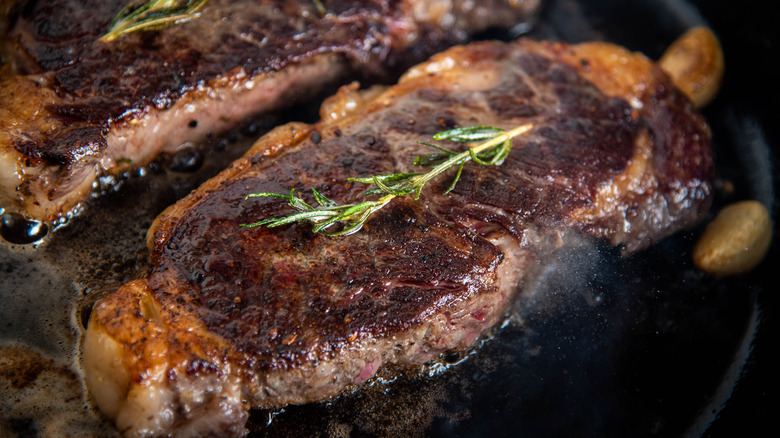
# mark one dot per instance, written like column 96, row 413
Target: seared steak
column 230, row 317
column 73, row 108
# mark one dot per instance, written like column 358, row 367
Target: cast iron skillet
column 610, row 346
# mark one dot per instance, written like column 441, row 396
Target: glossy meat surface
column 107, row 106
column 231, row 317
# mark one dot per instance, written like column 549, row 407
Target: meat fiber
column 73, row 108
column 230, row 318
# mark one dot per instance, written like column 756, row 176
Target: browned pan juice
column 49, row 287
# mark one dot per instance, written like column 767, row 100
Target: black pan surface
column 606, row 346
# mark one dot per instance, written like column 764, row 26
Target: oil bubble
column 17, row 229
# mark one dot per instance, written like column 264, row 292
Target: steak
column 230, row 317
column 73, row 108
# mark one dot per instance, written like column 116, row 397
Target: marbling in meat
column 73, row 108
column 230, row 318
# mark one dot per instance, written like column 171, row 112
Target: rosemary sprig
column 152, row 14
column 495, row 147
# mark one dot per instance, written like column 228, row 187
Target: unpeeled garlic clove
column 736, row 240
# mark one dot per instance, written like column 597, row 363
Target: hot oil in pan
column 48, row 289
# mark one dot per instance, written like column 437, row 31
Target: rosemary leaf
column 468, row 134
column 322, row 200
column 456, row 179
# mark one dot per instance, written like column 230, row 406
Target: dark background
column 749, row 35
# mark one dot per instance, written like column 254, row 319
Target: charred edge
column 67, row 148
